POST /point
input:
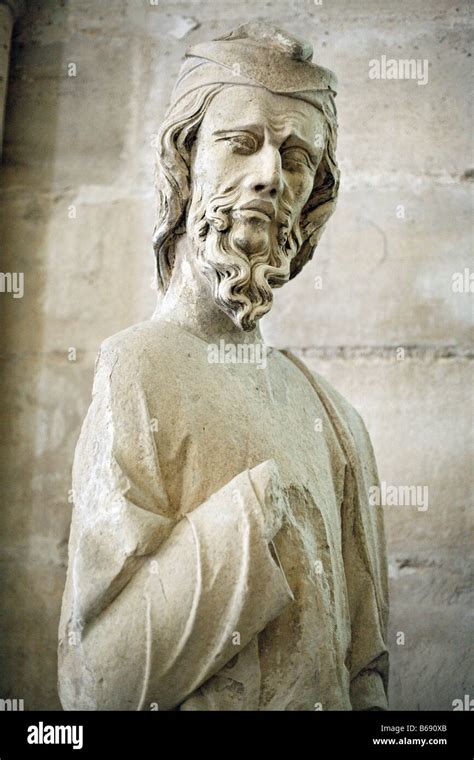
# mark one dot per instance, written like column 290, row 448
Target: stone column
column 10, row 10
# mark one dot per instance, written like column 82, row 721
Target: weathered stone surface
column 59, row 81
column 69, row 254
column 397, row 141
column 427, row 439
column 212, row 521
column 383, row 274
column 420, row 443
column 29, row 592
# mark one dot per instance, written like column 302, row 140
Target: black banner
column 99, row 734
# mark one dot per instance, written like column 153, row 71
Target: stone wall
column 375, row 311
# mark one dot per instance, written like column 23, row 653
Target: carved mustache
column 223, row 208
column 259, row 209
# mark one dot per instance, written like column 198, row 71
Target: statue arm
column 364, row 549
column 365, row 564
column 155, row 605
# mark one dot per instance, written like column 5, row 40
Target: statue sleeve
column 364, row 550
column 365, row 565
column 154, row 604
column 365, row 559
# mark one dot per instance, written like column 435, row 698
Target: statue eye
column 243, row 144
column 294, row 157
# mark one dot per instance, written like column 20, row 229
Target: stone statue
column 223, row 554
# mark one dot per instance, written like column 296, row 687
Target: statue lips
column 263, row 210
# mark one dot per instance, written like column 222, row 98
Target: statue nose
column 267, row 178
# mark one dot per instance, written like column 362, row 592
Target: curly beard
column 242, row 258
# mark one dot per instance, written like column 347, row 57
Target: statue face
column 253, row 165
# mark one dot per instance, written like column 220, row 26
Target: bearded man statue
column 223, row 552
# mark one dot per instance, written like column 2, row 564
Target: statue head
column 246, row 165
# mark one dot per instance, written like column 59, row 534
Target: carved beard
column 242, row 258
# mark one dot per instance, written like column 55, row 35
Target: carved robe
column 173, row 597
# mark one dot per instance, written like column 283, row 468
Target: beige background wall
column 77, row 217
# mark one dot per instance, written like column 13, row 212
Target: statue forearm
column 188, row 610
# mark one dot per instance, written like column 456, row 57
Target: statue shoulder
column 346, row 410
column 133, row 353
column 336, row 404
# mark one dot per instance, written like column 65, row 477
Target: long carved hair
column 173, row 180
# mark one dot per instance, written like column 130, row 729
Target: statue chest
column 223, row 418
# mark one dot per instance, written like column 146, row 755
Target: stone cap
column 256, row 54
